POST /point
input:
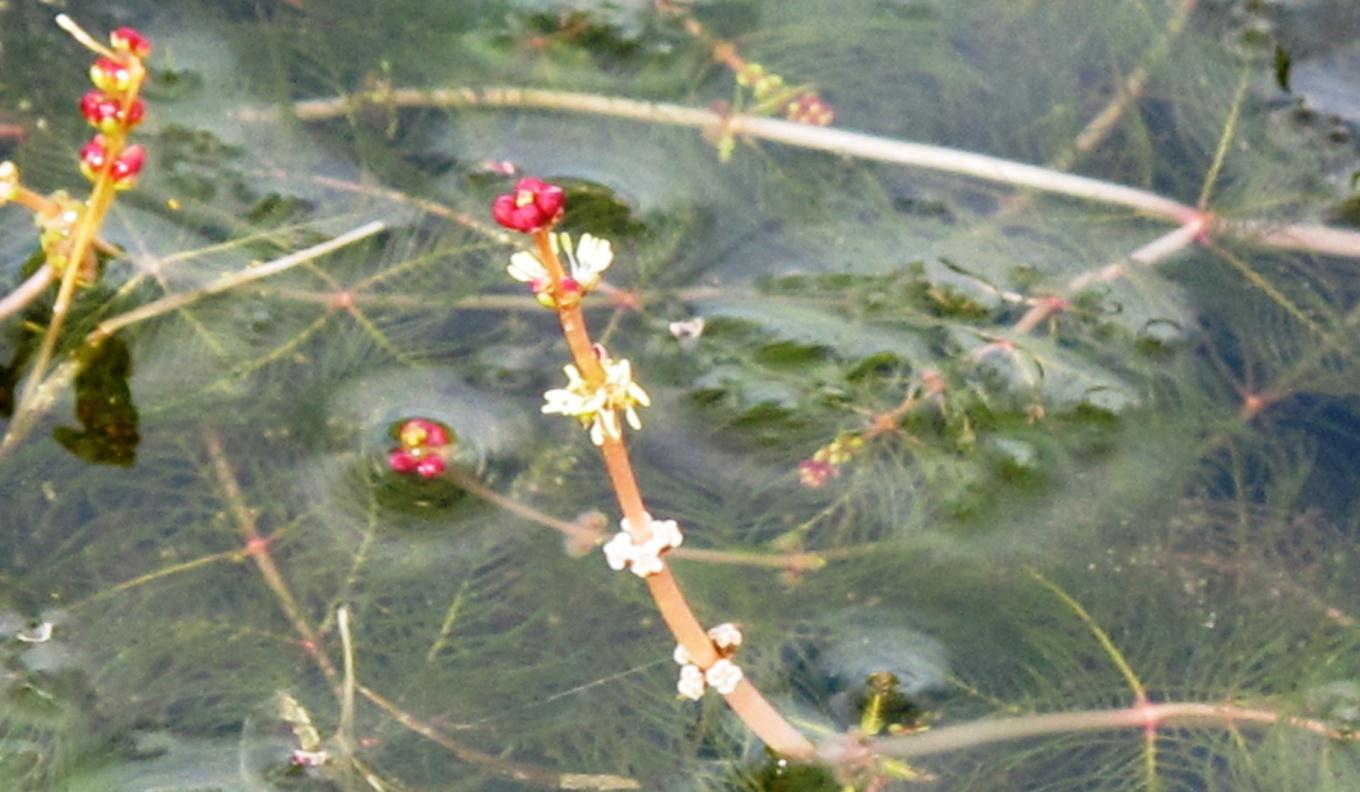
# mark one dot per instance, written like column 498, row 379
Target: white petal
column 724, row 676
column 726, row 636
column 647, row 563
column 620, row 551
column 639, row 395
column 691, row 684
column 665, row 534
column 524, row 267
column 680, row 655
column 611, row 423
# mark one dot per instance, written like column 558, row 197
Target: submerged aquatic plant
column 1020, row 454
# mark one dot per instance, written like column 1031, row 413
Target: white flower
column 526, row 268
column 598, row 407
column 643, row 559
column 725, row 636
column 623, row 394
column 665, row 533
column 577, row 400
column 691, row 684
column 588, row 260
column 647, row 564
column 680, row 655
column 723, row 676
column 620, row 551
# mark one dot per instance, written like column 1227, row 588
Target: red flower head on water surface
column 420, row 449
column 534, row 204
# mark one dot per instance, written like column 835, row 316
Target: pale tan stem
column 27, row 292
column 580, row 535
column 345, row 732
column 1317, row 239
column 1132, row 89
column 227, row 282
column 1147, row 716
column 573, row 531
column 1155, row 252
column 519, row 772
column 100, row 201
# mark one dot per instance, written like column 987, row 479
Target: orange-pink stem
column 746, row 701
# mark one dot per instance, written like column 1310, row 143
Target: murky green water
column 1109, row 472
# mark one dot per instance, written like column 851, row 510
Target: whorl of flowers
column 642, row 559
column 598, row 406
column 723, row 675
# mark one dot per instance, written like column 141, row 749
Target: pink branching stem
column 1155, row 252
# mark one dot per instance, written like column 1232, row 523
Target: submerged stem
column 1323, row 240
column 1145, row 716
column 257, row 547
column 27, row 292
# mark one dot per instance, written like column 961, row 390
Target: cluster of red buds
column 826, row 463
column 809, row 108
column 802, row 105
column 114, row 109
column 421, row 448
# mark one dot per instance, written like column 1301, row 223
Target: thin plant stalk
column 344, row 687
column 537, row 776
column 1319, row 239
column 1141, row 716
column 100, row 202
column 582, row 536
column 746, row 701
column 236, row 279
column 257, row 547
column 27, row 292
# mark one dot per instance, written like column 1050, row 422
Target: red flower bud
column 430, row 466
column 534, row 204
column 94, row 155
column 401, row 462
column 131, row 41
column 110, row 76
column 106, row 113
column 127, row 166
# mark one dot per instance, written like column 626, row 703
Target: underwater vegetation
column 969, row 382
